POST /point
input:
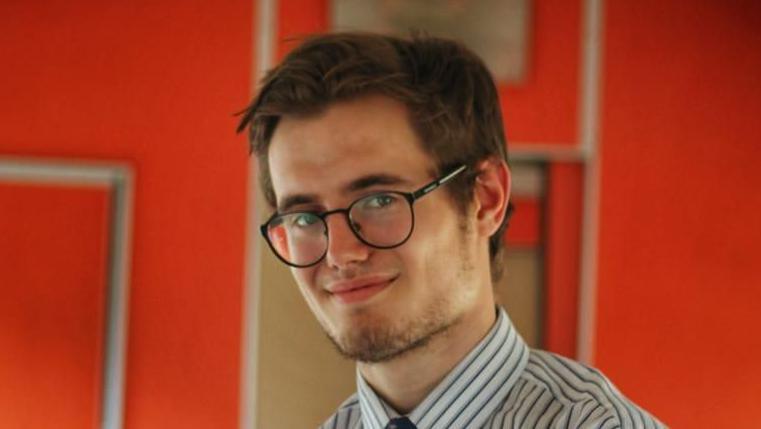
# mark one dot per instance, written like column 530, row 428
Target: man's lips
column 359, row 289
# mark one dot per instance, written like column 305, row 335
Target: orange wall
column 679, row 278
column 543, row 107
column 154, row 84
column 53, row 267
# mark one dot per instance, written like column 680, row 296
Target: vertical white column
column 589, row 127
column 263, row 40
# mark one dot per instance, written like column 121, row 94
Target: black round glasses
column 382, row 220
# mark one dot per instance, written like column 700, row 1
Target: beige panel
column 528, row 179
column 520, row 292
column 301, row 378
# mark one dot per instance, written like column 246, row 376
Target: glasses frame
column 411, row 198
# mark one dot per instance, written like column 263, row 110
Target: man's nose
column 344, row 248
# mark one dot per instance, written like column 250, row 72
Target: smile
column 358, row 291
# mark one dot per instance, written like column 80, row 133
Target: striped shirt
column 502, row 383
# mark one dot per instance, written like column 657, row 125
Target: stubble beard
column 384, row 339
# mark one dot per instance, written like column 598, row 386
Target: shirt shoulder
column 558, row 392
column 346, row 417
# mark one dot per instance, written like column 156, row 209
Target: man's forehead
column 348, row 141
column 304, row 179
column 309, row 161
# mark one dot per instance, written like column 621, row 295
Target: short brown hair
column 450, row 95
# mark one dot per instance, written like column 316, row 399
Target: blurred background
column 135, row 291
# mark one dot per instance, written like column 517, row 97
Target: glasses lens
column 383, row 220
column 298, row 238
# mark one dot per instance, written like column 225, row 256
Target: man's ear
column 491, row 194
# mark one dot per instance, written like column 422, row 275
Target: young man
column 384, row 161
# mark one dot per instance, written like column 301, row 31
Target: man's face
column 374, row 304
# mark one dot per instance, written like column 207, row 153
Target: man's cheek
column 304, row 278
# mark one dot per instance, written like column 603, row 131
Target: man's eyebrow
column 355, row 185
column 371, row 180
column 294, row 200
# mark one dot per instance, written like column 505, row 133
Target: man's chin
column 373, row 353
column 381, row 345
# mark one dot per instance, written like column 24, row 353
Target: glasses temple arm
column 438, row 182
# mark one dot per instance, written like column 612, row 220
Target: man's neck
column 405, row 381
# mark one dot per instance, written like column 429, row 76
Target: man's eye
column 380, row 201
column 303, row 220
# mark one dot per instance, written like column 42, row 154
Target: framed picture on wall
column 497, row 30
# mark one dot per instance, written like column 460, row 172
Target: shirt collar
column 468, row 395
